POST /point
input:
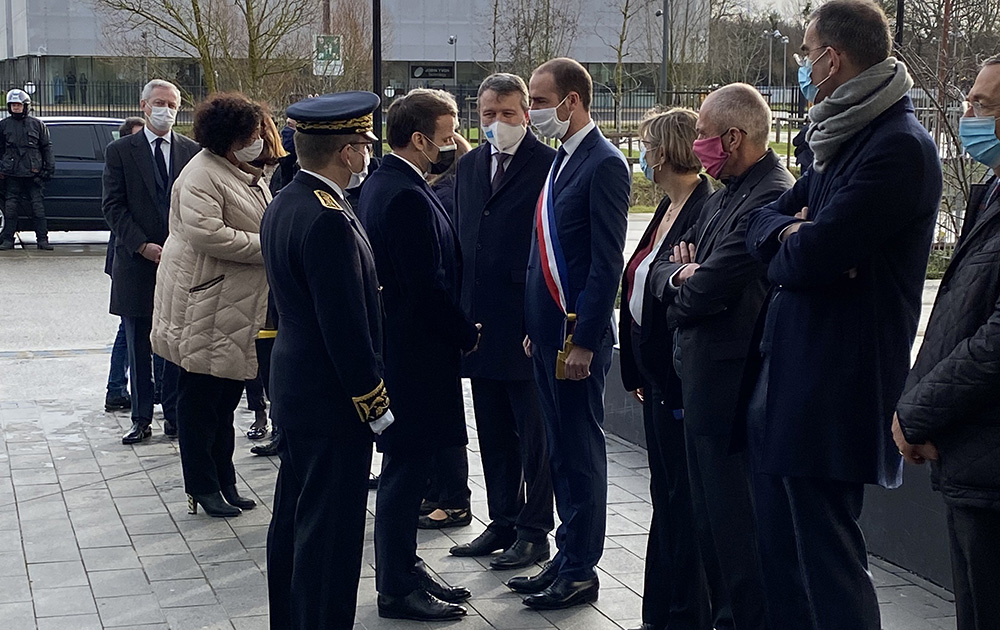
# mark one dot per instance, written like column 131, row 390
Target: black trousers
column 578, row 459
column 816, row 574
column 140, row 366
column 724, row 518
column 675, row 591
column 515, row 458
column 19, row 190
column 255, row 394
column 315, row 541
column 974, row 535
column 397, row 506
column 205, row 406
column 448, row 486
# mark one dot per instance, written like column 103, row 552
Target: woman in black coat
column 675, row 593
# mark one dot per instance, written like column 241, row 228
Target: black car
column 73, row 195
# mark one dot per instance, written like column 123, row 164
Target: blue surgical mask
column 979, row 139
column 647, row 170
column 805, row 78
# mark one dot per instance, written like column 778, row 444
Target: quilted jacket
column 952, row 395
column 211, row 290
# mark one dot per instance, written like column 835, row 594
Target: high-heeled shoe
column 258, row 431
column 233, row 498
column 213, row 503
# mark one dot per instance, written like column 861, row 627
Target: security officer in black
column 26, row 162
column 328, row 395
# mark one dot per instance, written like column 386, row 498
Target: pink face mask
column 711, row 154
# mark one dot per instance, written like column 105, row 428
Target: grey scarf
column 853, row 106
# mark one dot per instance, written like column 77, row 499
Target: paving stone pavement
column 94, row 534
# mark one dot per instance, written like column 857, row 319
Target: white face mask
column 250, row 153
column 162, row 118
column 547, row 123
column 357, row 178
column 504, row 136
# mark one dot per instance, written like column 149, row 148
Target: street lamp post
column 770, row 36
column 784, row 69
column 377, row 69
column 453, row 40
column 665, row 63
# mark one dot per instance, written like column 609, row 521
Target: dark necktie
column 498, row 176
column 560, row 156
column 161, row 163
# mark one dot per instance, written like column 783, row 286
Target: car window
column 73, row 142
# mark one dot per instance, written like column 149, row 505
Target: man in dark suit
column 327, row 383
column 574, row 269
column 846, row 250
column 419, row 263
column 138, row 173
column 497, row 187
column 714, row 298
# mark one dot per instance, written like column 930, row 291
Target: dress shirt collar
column 329, row 182
column 510, row 151
column 411, row 164
column 151, row 137
column 576, row 139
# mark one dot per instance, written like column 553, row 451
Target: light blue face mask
column 979, row 139
column 647, row 170
column 805, row 78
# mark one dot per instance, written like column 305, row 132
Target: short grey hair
column 147, row 90
column 741, row 106
column 990, row 61
column 504, row 83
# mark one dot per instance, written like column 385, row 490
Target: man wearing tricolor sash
column 574, row 270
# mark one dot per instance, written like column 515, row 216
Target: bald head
column 739, row 106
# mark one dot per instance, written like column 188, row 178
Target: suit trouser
column 975, row 565
column 118, row 370
column 574, row 416
column 817, row 574
column 448, row 486
column 140, row 366
column 205, row 406
column 724, row 517
column 316, row 537
column 515, row 458
column 20, row 189
column 397, row 507
column 675, row 592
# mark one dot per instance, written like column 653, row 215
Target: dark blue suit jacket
column 420, row 265
column 323, row 284
column 839, row 346
column 591, row 207
column 495, row 232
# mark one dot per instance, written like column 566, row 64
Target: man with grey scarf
column 846, row 250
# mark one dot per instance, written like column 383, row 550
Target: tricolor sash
column 552, row 258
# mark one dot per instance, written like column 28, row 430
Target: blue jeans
column 118, row 374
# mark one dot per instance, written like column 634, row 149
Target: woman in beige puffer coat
column 211, row 295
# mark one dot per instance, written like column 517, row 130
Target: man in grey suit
column 138, row 173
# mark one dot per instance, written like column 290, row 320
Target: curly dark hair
column 225, row 119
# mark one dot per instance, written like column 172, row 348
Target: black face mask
column 444, row 162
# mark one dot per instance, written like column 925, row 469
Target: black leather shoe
column 536, row 583
column 564, row 594
column 453, row 518
column 426, row 507
column 420, row 606
column 233, row 498
column 43, row 243
column 140, row 431
column 117, row 403
column 483, row 545
column 169, row 428
column 450, row 594
column 521, row 554
column 213, row 503
column 266, row 450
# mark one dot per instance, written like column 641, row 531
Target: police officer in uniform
column 326, row 380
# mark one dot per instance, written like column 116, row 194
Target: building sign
column 432, row 71
column 328, row 61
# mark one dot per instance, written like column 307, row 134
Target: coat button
column 479, row 246
column 478, row 282
column 486, row 213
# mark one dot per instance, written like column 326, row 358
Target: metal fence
column 111, row 99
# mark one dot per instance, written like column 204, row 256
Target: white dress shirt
column 573, row 143
column 509, row 153
column 164, row 147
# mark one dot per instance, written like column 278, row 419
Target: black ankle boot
column 213, row 503
column 233, row 498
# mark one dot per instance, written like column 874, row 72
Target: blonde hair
column 672, row 133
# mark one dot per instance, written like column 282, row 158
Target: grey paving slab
column 60, row 602
column 48, row 575
column 119, row 583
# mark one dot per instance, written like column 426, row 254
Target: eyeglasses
column 803, row 59
column 367, row 147
column 978, row 109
